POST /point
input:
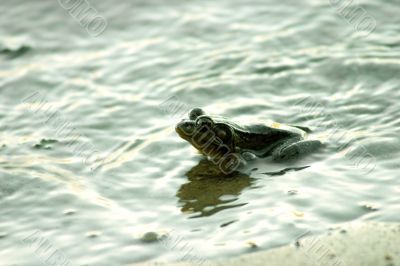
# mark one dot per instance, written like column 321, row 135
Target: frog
column 231, row 144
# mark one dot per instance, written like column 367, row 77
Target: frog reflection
column 209, row 191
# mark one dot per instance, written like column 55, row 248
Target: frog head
column 213, row 137
column 205, row 133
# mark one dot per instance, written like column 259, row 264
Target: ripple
column 12, row 53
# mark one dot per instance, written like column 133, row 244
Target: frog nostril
column 186, row 127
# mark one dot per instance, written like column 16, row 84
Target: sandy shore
column 357, row 244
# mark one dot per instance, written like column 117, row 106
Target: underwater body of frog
column 227, row 143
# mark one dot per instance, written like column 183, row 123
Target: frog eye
column 221, row 133
column 224, row 133
column 195, row 113
column 204, row 122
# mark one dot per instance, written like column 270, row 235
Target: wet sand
column 356, row 244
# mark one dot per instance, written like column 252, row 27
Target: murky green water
column 90, row 161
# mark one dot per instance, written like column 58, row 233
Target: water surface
column 90, row 161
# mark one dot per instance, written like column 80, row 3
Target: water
column 90, row 162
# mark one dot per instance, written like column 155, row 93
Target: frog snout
column 185, row 127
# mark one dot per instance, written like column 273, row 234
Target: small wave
column 45, row 144
column 272, row 69
column 15, row 52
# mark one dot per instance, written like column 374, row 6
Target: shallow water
column 90, row 161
